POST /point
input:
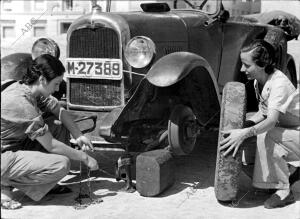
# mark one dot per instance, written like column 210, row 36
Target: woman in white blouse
column 276, row 124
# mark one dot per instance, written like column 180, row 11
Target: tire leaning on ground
column 233, row 111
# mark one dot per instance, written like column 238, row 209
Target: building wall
column 240, row 7
column 32, row 18
column 22, row 22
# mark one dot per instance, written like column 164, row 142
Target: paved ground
column 182, row 200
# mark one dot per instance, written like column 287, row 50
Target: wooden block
column 154, row 172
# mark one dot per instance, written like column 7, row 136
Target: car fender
column 157, row 92
column 15, row 65
column 173, row 67
column 291, row 70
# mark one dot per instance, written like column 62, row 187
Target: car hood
column 159, row 27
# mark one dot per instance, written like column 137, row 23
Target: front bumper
column 94, row 136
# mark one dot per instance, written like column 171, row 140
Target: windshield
column 208, row 6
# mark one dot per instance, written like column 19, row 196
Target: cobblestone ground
column 192, row 195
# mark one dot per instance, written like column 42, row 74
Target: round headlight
column 45, row 46
column 139, row 51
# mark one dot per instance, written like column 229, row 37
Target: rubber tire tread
column 233, row 113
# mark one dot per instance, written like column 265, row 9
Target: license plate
column 94, row 68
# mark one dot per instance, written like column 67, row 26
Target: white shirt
column 279, row 94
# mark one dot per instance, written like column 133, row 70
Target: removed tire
column 232, row 117
column 181, row 130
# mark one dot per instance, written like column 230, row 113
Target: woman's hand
column 234, row 138
column 84, row 143
column 91, row 163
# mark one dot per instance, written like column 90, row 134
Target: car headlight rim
column 139, row 51
column 45, row 46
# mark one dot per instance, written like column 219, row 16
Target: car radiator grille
column 95, row 43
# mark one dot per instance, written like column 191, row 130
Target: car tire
column 180, row 143
column 233, row 111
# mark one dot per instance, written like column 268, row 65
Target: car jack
column 123, row 171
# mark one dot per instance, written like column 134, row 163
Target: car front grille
column 95, row 43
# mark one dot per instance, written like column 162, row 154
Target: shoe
column 275, row 202
column 59, row 189
column 10, row 204
column 6, row 199
column 265, row 191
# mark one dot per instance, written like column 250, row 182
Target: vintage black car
column 154, row 77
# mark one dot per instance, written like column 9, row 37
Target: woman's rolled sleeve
column 47, row 104
column 37, row 127
column 292, row 104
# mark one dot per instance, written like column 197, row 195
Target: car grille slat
column 95, row 43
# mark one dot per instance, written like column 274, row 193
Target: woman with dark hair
column 276, row 124
column 34, row 151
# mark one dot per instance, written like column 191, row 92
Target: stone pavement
column 192, row 195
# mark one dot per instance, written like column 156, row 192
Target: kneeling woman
column 34, row 151
column 276, row 124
